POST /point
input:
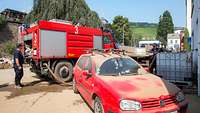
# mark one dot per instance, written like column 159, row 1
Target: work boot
column 21, row 85
column 18, row 87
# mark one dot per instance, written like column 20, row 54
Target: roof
column 179, row 28
column 149, row 42
column 13, row 11
column 173, row 36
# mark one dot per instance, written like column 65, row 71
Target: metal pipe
column 123, row 34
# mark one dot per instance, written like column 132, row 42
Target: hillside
column 8, row 35
column 8, row 32
column 143, row 30
column 143, row 24
column 148, row 33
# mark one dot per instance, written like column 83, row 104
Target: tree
column 7, row 49
column 165, row 26
column 137, row 39
column 2, row 21
column 186, row 45
column 120, row 25
column 76, row 11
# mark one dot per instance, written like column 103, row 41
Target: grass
column 146, row 33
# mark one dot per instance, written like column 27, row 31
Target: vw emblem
column 162, row 103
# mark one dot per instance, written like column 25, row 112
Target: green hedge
column 2, row 21
column 7, row 49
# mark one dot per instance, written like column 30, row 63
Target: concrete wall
column 196, row 39
column 189, row 15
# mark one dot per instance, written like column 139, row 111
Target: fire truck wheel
column 64, row 71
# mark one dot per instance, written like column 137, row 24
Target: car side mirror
column 87, row 74
column 146, row 69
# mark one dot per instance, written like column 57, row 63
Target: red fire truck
column 60, row 44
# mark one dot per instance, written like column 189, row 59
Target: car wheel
column 74, row 86
column 98, row 107
column 64, row 71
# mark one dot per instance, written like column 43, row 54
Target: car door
column 88, row 81
column 78, row 69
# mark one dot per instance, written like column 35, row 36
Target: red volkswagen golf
column 115, row 83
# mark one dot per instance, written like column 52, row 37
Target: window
column 192, row 8
column 81, row 62
column 143, row 45
column 118, row 66
column 171, row 41
column 88, row 64
column 107, row 40
column 176, row 41
column 197, row 21
column 192, row 33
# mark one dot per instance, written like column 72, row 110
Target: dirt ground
column 38, row 96
column 194, row 103
column 41, row 96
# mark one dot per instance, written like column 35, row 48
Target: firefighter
column 152, row 66
column 18, row 65
column 155, row 50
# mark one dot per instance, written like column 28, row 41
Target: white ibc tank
column 176, row 67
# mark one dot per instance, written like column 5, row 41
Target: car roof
column 100, row 58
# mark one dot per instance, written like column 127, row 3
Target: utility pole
column 132, row 39
column 123, row 33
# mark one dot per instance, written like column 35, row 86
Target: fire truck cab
column 59, row 45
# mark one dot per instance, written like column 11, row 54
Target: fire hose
column 57, row 78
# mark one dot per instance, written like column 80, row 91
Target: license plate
column 173, row 112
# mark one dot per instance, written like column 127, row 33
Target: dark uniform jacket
column 18, row 54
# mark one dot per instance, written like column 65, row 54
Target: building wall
column 172, row 43
column 195, row 32
column 189, row 15
column 178, row 31
column 196, row 39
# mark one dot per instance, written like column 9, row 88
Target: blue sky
column 135, row 10
column 21, row 5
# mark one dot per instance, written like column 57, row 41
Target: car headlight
column 180, row 97
column 130, row 105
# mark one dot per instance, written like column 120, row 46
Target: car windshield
column 118, row 66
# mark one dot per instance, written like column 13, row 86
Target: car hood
column 139, row 86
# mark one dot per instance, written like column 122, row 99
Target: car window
column 87, row 64
column 118, row 66
column 107, row 40
column 81, row 62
